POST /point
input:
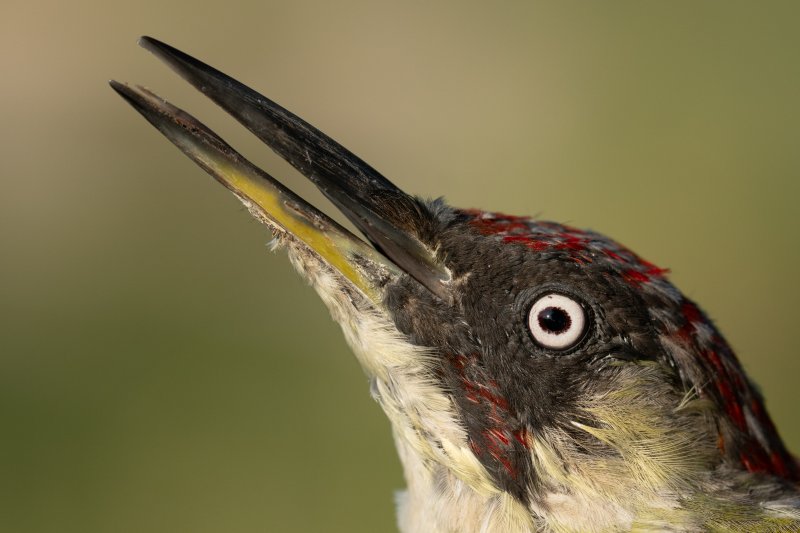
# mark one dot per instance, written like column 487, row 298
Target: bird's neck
column 437, row 501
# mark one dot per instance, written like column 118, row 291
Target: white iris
column 556, row 321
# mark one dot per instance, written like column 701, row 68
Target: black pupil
column 554, row 320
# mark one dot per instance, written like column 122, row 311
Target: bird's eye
column 556, row 321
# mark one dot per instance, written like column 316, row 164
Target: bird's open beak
column 368, row 199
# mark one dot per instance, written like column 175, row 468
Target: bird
column 537, row 377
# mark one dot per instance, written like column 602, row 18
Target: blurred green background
column 161, row 371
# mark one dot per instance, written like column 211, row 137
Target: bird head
column 530, row 364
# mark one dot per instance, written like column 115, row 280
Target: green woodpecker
column 537, row 377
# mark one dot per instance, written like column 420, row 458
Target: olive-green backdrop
column 161, row 371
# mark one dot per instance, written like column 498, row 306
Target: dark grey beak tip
column 117, row 86
column 151, row 44
column 125, row 92
column 134, row 98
